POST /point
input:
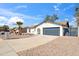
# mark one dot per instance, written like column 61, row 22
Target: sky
column 34, row 13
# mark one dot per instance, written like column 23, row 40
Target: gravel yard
column 62, row 46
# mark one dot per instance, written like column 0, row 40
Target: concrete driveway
column 30, row 42
column 5, row 49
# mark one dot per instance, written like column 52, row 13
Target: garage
column 51, row 31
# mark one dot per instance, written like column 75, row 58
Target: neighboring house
column 49, row 28
column 24, row 30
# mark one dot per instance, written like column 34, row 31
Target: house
column 49, row 28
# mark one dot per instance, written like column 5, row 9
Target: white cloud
column 13, row 20
column 74, row 18
column 59, row 4
column 8, row 13
column 66, row 19
column 56, row 8
column 2, row 18
column 73, row 22
column 9, row 21
column 9, row 17
column 21, row 6
column 68, row 7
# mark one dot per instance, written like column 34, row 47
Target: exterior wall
column 61, row 31
column 33, row 31
column 41, row 30
column 46, row 25
column 28, row 30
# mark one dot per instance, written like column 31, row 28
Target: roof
column 62, row 23
column 65, row 23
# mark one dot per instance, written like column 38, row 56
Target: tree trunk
column 20, row 30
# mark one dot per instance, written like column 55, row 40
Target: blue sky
column 34, row 13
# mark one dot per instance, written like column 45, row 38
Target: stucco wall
column 45, row 25
column 33, row 31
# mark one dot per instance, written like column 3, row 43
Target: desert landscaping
column 61, row 46
column 41, row 45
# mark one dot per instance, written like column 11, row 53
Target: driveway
column 6, row 50
column 30, row 42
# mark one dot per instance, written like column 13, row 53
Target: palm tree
column 77, row 18
column 19, row 23
column 51, row 18
column 20, row 28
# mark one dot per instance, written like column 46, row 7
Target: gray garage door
column 51, row 31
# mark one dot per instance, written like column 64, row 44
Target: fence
column 73, row 31
column 14, row 36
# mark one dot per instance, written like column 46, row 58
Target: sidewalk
column 5, row 49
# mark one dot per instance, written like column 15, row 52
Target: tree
column 19, row 24
column 51, row 18
column 77, row 18
column 6, row 28
column 54, row 17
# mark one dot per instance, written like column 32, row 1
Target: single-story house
column 49, row 28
